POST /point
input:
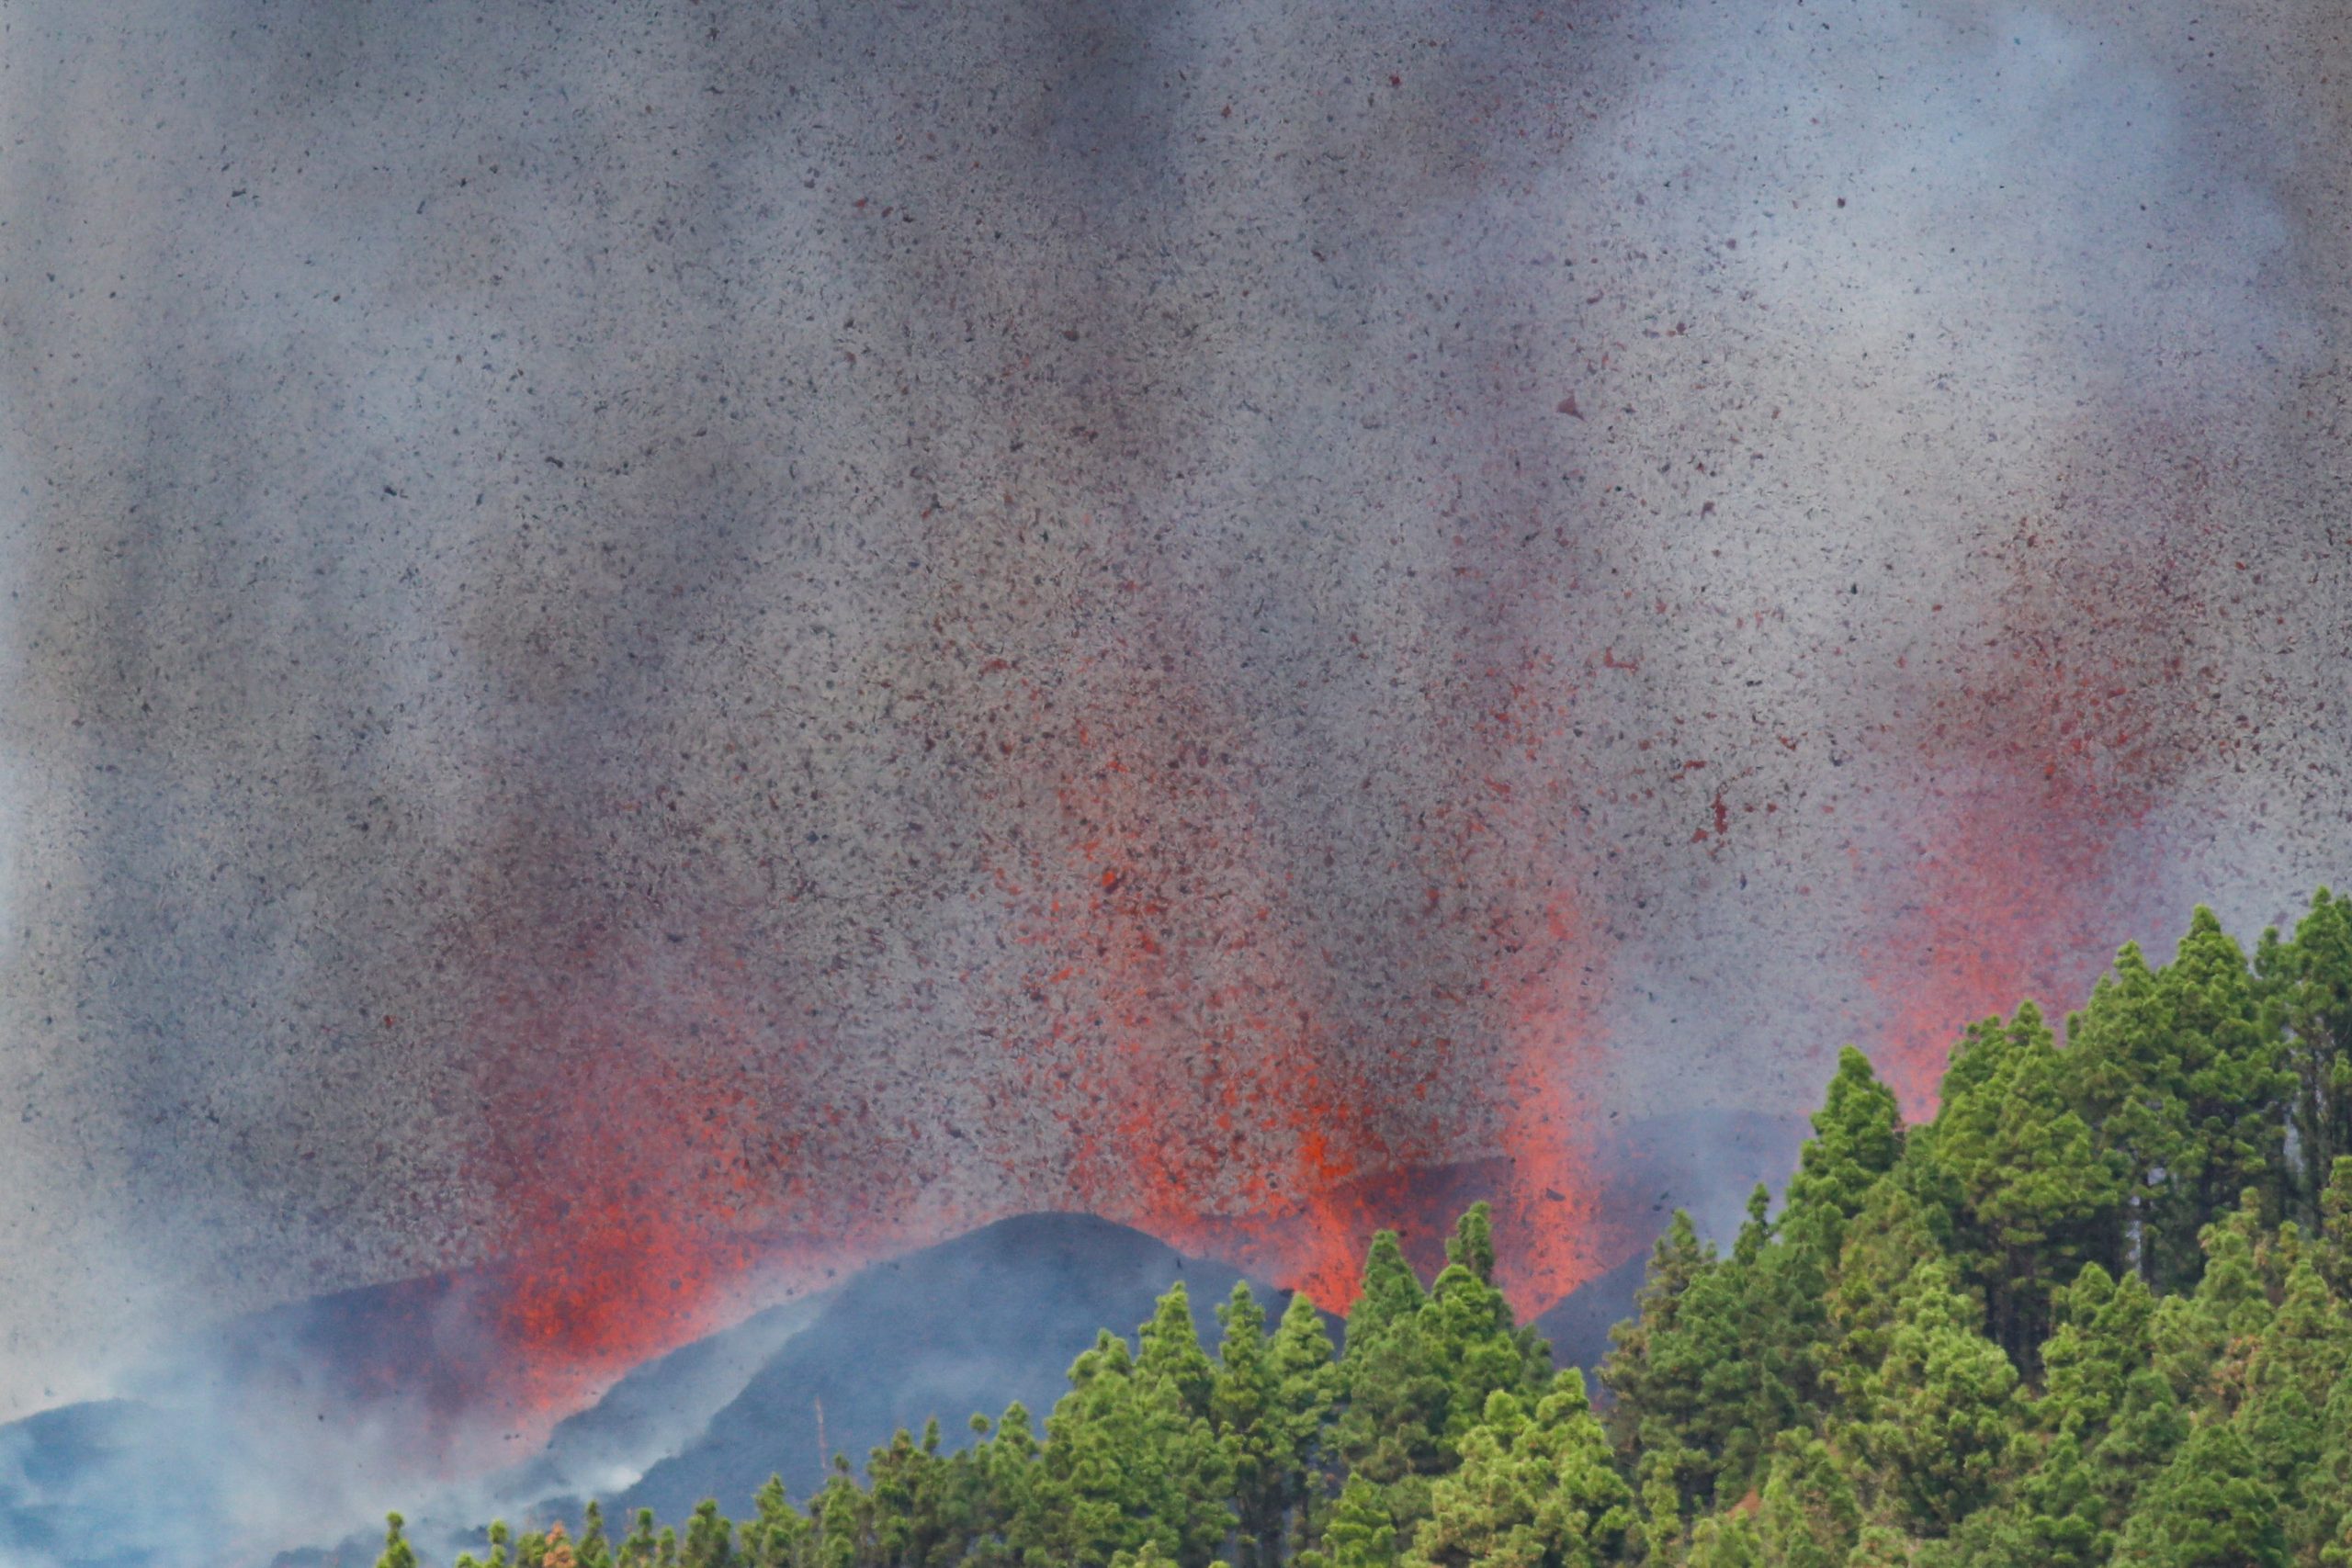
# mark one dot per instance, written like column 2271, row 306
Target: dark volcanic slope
column 967, row 1325
column 1705, row 1161
column 651, row 1412
column 1577, row 1325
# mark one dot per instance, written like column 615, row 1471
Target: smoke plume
column 651, row 644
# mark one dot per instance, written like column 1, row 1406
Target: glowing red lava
column 649, row 1158
column 2045, row 755
column 1169, row 1033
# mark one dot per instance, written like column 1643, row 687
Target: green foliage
column 1130, row 1459
column 2208, row 1508
column 2039, row 1195
column 1363, row 1533
column 1858, row 1132
column 1531, row 1488
column 1268, row 1402
column 2093, row 1312
column 1945, row 1406
column 1812, row 1512
column 1657, row 1389
column 2306, row 986
column 397, row 1552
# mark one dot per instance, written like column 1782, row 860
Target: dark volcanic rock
column 1706, row 1161
column 965, row 1326
column 651, row 1413
column 1579, row 1323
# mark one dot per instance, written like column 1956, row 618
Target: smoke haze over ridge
column 636, row 629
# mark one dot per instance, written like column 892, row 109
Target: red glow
column 2015, row 883
column 1178, row 1046
column 1178, row 1036
column 652, row 1159
column 1551, row 1236
column 2045, row 756
column 1184, row 1022
column 623, row 1191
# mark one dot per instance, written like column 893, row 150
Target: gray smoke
column 731, row 520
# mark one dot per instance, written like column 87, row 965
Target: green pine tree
column 1812, row 1513
column 1946, row 1405
column 1656, row 1398
column 1857, row 1135
column 2042, row 1197
column 1361, row 1533
column 2208, row 1508
column 1536, row 1488
column 397, row 1552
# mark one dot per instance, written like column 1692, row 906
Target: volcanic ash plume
column 661, row 654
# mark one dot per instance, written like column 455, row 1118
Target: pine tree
column 1655, row 1409
column 1529, row 1489
column 1242, row 1405
column 1306, row 1388
column 776, row 1533
column 397, row 1552
column 1727, row 1540
column 2237, row 1075
column 1169, row 1358
column 2127, row 1077
column 1857, row 1135
column 2101, row 1340
column 1760, row 1324
column 1734, row 1362
column 1130, row 1458
column 2203, row 1338
column 2321, row 1529
column 2058, row 1520
column 1945, row 1405
column 1394, row 1392
column 1191, row 1472
column 1004, row 1481
column 1588, row 1510
column 1391, row 1292
column 1361, row 1533
column 1470, row 1329
column 1662, row 1480
column 1472, row 1245
column 1811, row 1514
column 2208, row 1508
column 2147, row 1429
column 2308, row 983
column 1885, row 1240
column 2041, row 1196
column 842, row 1515
column 594, row 1550
column 2288, row 1373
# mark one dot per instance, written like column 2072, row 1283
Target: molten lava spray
column 653, row 651
column 2096, row 692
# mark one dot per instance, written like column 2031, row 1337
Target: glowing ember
column 2042, row 761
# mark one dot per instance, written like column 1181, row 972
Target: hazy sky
column 874, row 615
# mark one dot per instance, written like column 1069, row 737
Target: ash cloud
column 920, row 567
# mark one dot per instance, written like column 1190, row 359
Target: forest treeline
column 2095, row 1312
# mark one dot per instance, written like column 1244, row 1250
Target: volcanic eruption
column 652, row 657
